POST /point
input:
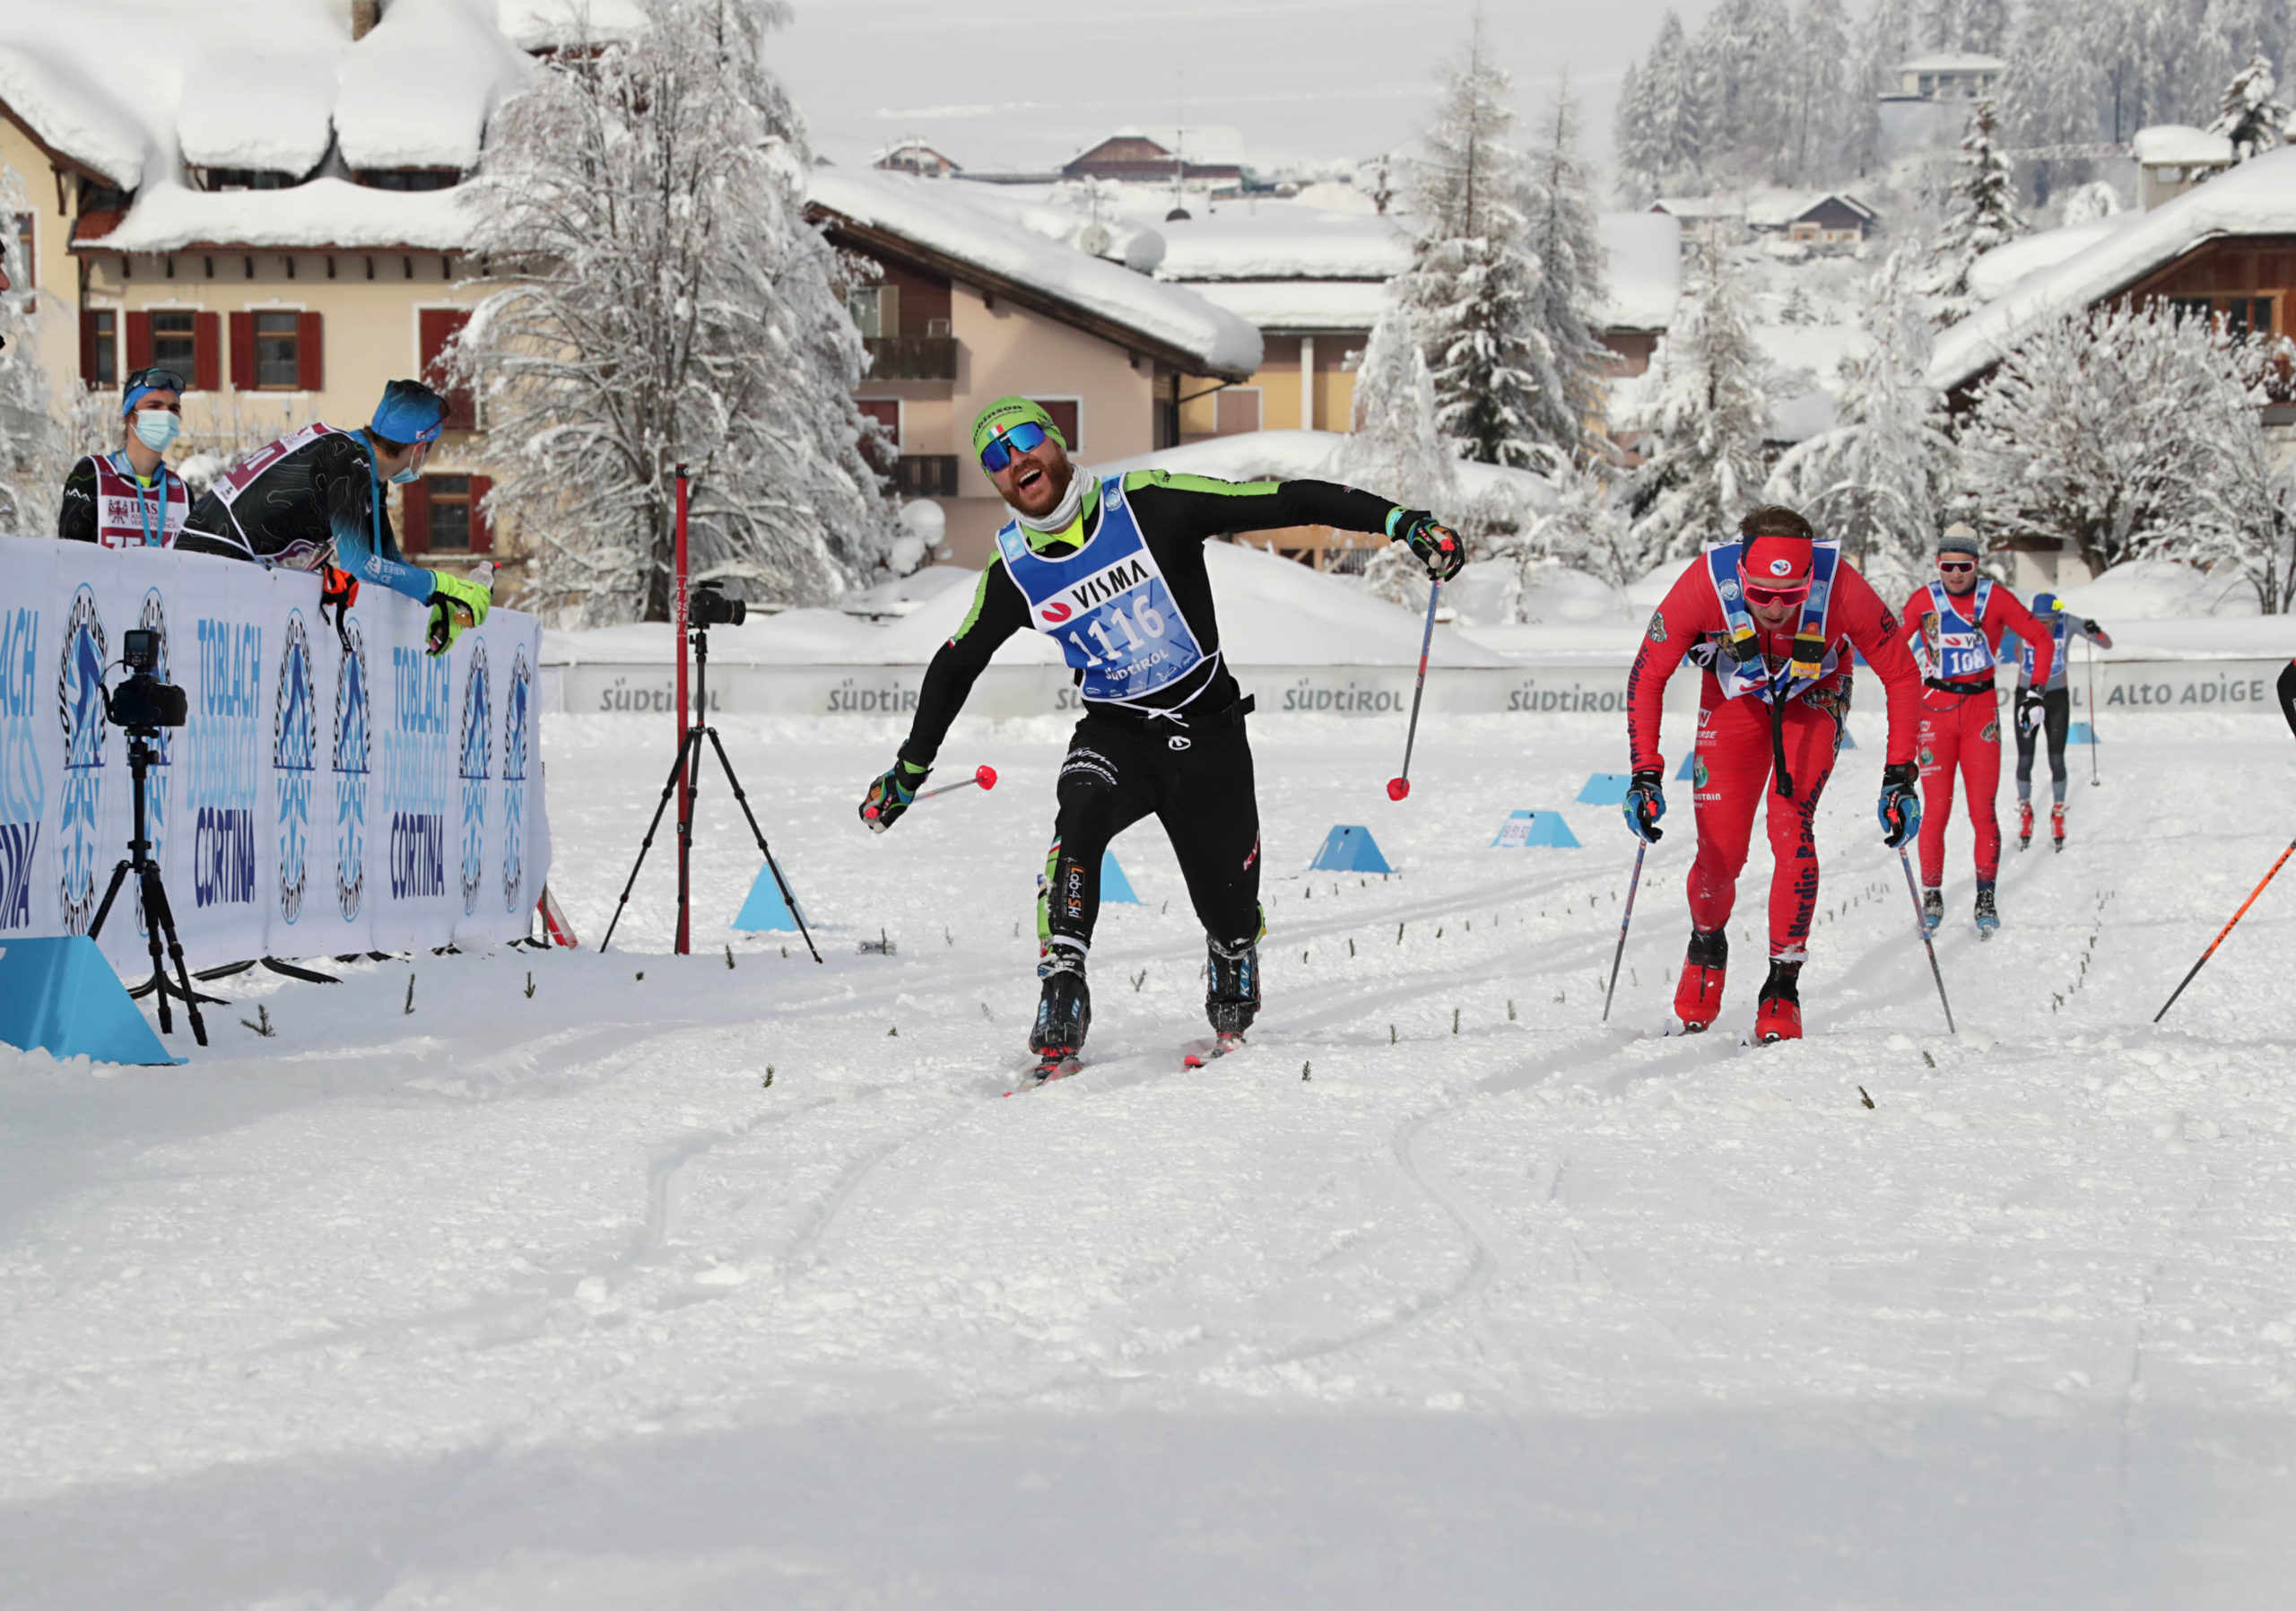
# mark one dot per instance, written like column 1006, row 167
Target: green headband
column 1006, row 413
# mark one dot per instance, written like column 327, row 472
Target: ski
column 1195, row 1054
column 1053, row 1067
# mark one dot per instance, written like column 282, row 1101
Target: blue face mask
column 408, row 475
column 155, row 428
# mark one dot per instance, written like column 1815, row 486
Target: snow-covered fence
column 318, row 801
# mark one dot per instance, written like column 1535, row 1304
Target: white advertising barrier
column 319, row 802
column 1531, row 690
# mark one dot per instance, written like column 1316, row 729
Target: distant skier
column 1956, row 625
column 1112, row 570
column 2049, row 707
column 1770, row 618
column 315, row 500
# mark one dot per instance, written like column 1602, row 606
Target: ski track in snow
column 1438, row 1290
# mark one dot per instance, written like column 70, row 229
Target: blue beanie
column 410, row 412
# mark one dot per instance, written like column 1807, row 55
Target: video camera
column 143, row 704
column 709, row 606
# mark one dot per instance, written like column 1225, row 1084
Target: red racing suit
column 1732, row 767
column 1961, row 722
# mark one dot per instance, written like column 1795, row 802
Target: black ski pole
column 1398, row 787
column 2089, row 655
column 2221, row 933
column 1627, row 917
column 1926, row 943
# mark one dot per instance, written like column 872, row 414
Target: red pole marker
column 1398, row 788
column 985, row 776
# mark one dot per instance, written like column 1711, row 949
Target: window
column 175, row 341
column 450, row 512
column 275, row 351
column 244, row 179
column 434, row 328
column 100, row 347
column 28, row 265
column 867, row 304
column 1067, row 412
column 410, row 179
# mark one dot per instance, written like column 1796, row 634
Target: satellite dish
column 1095, row 239
column 1177, row 216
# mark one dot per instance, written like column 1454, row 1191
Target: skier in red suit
column 1956, row 625
column 1770, row 618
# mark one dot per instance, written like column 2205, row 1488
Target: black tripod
column 687, row 768
column 157, row 916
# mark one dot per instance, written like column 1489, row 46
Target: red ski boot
column 1779, row 1016
column 1698, row 998
column 2057, row 825
column 2024, row 823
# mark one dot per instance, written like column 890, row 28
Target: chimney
column 364, row 15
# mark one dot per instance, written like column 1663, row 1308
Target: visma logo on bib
column 1118, row 624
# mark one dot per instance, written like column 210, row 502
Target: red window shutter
column 207, row 351
column 139, row 341
column 310, row 352
column 482, row 529
column 1063, row 411
column 243, row 351
column 434, row 328
column 88, row 369
column 414, row 518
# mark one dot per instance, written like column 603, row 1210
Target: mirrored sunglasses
column 1956, row 566
column 1777, row 595
column 1023, row 438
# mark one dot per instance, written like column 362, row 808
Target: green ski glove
column 1436, row 545
column 890, row 795
column 455, row 604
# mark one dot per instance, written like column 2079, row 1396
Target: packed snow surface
column 662, row 1284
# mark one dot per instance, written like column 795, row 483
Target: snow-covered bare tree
column 1985, row 217
column 668, row 302
column 2104, row 428
column 1473, row 284
column 1567, row 300
column 1661, row 135
column 1586, row 529
column 33, row 448
column 2250, row 116
column 1877, row 479
column 1705, row 414
column 2247, row 517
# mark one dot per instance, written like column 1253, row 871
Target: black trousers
column 1197, row 781
column 2056, row 712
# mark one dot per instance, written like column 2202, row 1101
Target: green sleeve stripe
column 1179, row 481
column 980, row 598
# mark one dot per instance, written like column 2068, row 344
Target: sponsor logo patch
column 1658, row 626
column 1781, row 568
column 1056, row 613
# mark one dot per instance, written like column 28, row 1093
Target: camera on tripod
column 143, row 704
column 708, row 606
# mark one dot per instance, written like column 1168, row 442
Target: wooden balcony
column 924, row 475
column 911, row 357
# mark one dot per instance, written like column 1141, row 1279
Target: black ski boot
column 1064, row 1014
column 1988, row 915
column 1933, row 909
column 1231, row 990
column 1779, row 1016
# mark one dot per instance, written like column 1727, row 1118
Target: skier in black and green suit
column 1112, row 570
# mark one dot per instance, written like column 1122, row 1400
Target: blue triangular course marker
column 61, row 997
column 1684, row 772
column 1524, row 828
column 1115, row 887
column 765, row 910
column 2081, row 732
column 1847, row 742
column 1350, row 848
column 1605, row 788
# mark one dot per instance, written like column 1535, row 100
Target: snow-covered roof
column 1275, row 240
column 1994, row 273
column 134, row 89
column 937, row 217
column 172, row 218
column 2258, row 197
column 1950, row 61
column 1210, row 144
column 1290, row 307
column 1692, row 208
column 1642, row 269
column 2182, row 145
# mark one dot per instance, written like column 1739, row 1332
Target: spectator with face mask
column 129, row 498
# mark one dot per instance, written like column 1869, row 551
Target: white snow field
column 1440, row 1293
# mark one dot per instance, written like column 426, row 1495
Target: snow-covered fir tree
column 2052, row 93
column 1981, row 27
column 33, row 458
column 1391, row 446
column 1745, row 56
column 1884, row 39
column 669, row 303
column 2246, row 520
column 1816, row 96
column 1566, row 299
column 1985, row 217
column 1661, row 135
column 1878, row 478
column 1472, row 288
column 1705, row 412
column 2103, row 430
column 2250, row 116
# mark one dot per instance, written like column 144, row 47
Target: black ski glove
column 1900, row 807
column 1437, row 545
column 891, row 794
column 2104, row 639
column 1645, row 803
column 2030, row 710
